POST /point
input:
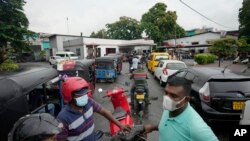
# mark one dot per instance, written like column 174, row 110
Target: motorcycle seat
column 119, row 113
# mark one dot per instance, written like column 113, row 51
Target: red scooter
column 122, row 110
column 122, row 113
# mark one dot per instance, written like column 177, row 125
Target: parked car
column 245, row 61
column 53, row 60
column 154, row 59
column 67, row 55
column 166, row 68
column 27, row 91
column 188, row 60
column 217, row 94
column 236, row 60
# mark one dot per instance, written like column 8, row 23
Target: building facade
column 197, row 43
column 87, row 48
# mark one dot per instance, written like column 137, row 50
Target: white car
column 166, row 68
column 53, row 60
column 245, row 61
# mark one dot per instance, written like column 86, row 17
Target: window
column 175, row 66
column 78, row 51
column 181, row 74
column 157, row 58
column 195, row 43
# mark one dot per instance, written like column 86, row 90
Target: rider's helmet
column 72, row 85
column 35, row 127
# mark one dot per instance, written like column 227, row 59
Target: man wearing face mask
column 77, row 115
column 179, row 120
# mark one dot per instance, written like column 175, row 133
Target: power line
column 205, row 16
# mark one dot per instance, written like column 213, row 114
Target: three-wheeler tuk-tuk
column 81, row 68
column 30, row 90
column 119, row 60
column 106, row 68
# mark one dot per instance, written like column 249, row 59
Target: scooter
column 121, row 107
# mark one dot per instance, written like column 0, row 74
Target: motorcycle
column 139, row 102
column 121, row 107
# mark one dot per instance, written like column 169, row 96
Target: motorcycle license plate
column 140, row 96
column 238, row 105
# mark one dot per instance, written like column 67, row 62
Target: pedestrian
column 35, row 127
column 135, row 62
column 77, row 115
column 179, row 120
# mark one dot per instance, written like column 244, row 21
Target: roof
column 54, row 35
column 106, row 58
column 172, row 61
column 216, row 73
column 22, row 82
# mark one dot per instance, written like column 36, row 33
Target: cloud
column 85, row 16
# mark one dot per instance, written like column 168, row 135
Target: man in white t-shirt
column 135, row 62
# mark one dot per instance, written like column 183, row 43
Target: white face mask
column 169, row 104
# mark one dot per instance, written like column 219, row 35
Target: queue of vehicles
column 217, row 94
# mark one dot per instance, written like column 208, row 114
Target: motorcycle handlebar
column 130, row 136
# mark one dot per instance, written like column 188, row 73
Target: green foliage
column 205, row 58
column 160, row 25
column 99, row 34
column 224, row 47
column 13, row 27
column 244, row 47
column 244, row 16
column 8, row 65
column 126, row 28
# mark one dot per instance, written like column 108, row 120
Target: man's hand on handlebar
column 148, row 128
column 125, row 128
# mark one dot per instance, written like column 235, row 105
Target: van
column 67, row 55
column 154, row 59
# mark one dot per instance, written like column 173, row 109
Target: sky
column 86, row 16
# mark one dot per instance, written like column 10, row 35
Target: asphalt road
column 155, row 108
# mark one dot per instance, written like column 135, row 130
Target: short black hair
column 180, row 81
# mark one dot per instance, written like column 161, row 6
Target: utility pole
column 68, row 25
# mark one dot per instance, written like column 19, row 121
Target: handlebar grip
column 138, row 129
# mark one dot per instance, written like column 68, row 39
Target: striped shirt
column 79, row 126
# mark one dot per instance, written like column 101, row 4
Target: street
column 155, row 108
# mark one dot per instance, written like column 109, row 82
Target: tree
column 160, row 25
column 100, row 34
column 13, row 28
column 244, row 16
column 224, row 48
column 126, row 28
column 244, row 47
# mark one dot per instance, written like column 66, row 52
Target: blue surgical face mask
column 82, row 101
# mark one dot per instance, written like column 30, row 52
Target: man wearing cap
column 77, row 115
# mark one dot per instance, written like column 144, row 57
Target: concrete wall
column 201, row 39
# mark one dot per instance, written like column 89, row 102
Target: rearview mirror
column 100, row 90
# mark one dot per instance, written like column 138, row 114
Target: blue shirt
column 188, row 126
column 78, row 126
